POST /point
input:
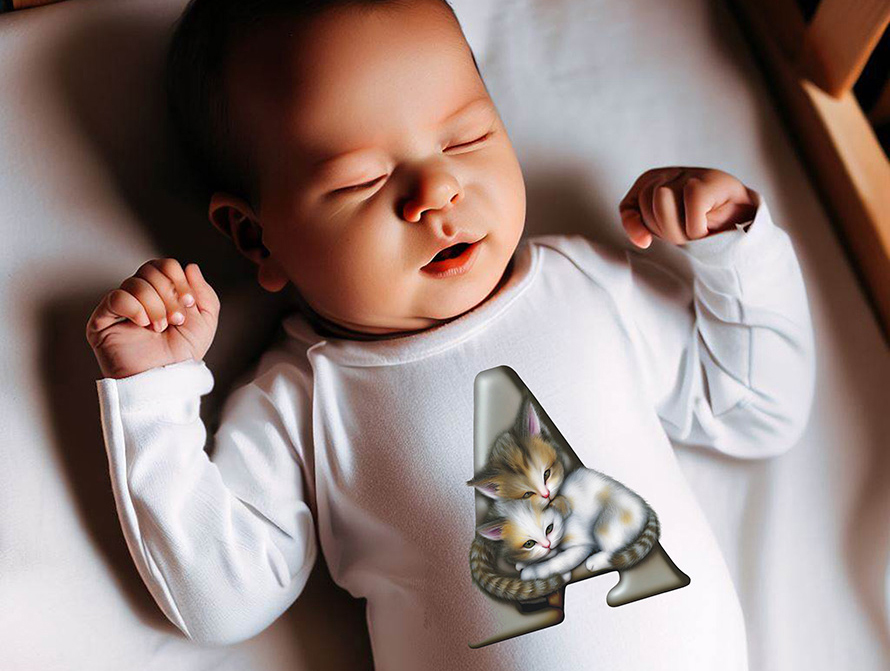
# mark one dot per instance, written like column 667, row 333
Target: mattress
column 593, row 93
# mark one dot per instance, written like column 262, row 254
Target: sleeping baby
column 353, row 154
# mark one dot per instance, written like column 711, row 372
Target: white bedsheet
column 593, row 93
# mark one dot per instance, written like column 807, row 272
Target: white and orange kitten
column 546, row 517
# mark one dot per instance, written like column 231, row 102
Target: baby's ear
column 235, row 218
column 487, row 485
column 493, row 531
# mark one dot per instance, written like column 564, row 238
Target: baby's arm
column 730, row 363
column 224, row 545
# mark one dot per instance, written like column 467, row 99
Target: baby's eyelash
column 373, row 182
column 463, row 145
column 359, row 187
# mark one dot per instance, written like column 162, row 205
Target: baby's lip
column 462, row 237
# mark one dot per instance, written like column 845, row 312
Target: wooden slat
column 786, row 23
column 24, row 4
column 880, row 111
column 841, row 153
column 839, row 40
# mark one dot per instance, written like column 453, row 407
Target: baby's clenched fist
column 159, row 316
column 682, row 204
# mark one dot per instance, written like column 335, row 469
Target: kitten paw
column 597, row 562
column 528, row 573
column 520, row 566
column 567, row 576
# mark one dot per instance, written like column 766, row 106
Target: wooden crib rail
column 10, row 5
column 812, row 68
column 839, row 40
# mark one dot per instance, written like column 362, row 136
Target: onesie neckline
column 392, row 351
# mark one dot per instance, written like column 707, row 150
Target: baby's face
column 377, row 146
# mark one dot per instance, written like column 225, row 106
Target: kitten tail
column 482, row 567
column 640, row 547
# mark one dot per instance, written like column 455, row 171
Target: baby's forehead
column 351, row 72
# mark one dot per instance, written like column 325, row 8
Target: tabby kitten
column 520, row 533
column 523, row 470
column 601, row 519
column 524, row 462
column 605, row 522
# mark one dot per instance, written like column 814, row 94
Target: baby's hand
column 682, row 204
column 129, row 332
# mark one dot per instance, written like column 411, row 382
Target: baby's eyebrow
column 478, row 105
column 327, row 168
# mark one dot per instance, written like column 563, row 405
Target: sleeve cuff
column 184, row 379
column 729, row 248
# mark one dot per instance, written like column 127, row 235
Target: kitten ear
column 492, row 530
column 504, row 448
column 561, row 503
column 487, row 485
column 529, row 423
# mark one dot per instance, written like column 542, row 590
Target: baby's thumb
column 205, row 297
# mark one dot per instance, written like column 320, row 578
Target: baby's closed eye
column 359, row 187
column 468, row 144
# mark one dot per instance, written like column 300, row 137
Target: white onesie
column 370, row 444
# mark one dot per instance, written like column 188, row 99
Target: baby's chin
column 436, row 302
column 450, row 301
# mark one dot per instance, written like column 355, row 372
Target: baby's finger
column 173, row 270
column 666, row 211
column 116, row 306
column 205, row 296
column 650, row 221
column 636, row 231
column 146, row 294
column 697, row 204
column 164, row 285
column 124, row 304
column 632, row 197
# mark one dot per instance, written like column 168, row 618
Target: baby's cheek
column 511, row 183
column 358, row 282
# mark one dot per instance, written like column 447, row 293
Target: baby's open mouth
column 451, row 252
column 454, row 260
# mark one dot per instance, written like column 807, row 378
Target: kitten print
column 605, row 525
column 524, row 462
column 547, row 517
column 523, row 468
column 516, row 532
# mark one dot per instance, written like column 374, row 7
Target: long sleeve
column 726, row 354
column 224, row 545
column 730, row 363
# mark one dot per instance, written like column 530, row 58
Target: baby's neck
column 329, row 328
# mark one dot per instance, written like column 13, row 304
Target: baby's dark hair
column 195, row 86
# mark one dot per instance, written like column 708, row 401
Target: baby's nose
column 415, row 208
column 437, row 190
